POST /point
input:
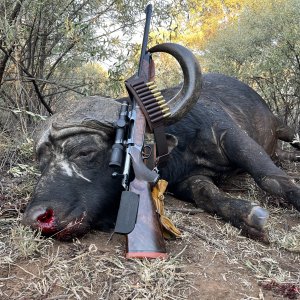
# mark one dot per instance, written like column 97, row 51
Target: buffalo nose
column 46, row 217
column 40, row 218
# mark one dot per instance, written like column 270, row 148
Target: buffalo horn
column 189, row 93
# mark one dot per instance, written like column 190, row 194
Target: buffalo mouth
column 50, row 225
column 74, row 228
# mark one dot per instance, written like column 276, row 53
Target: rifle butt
column 146, row 240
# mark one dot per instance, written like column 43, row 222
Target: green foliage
column 52, row 49
column 263, row 49
column 199, row 21
column 47, row 46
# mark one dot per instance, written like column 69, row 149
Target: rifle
column 137, row 217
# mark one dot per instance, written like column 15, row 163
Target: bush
column 263, row 49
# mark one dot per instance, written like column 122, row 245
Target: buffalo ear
column 172, row 141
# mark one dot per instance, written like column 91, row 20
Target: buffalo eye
column 85, row 155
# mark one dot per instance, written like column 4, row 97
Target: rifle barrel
column 148, row 12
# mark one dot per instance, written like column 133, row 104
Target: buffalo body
column 229, row 130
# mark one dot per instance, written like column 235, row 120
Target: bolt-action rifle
column 137, row 217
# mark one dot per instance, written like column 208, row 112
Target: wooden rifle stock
column 146, row 240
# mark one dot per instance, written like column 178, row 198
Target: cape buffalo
column 225, row 129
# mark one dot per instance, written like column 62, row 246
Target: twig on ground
column 9, row 220
column 191, row 211
column 109, row 288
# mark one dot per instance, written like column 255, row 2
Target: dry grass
column 80, row 271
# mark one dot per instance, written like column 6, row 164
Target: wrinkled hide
column 229, row 130
column 76, row 191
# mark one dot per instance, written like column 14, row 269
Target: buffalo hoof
column 255, row 223
column 258, row 217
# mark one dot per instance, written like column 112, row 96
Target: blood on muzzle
column 46, row 221
column 46, row 217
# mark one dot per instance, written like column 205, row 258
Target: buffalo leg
column 287, row 134
column 288, row 155
column 248, row 216
column 246, row 154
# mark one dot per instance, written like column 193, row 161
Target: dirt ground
column 211, row 260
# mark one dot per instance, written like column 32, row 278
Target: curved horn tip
column 181, row 103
